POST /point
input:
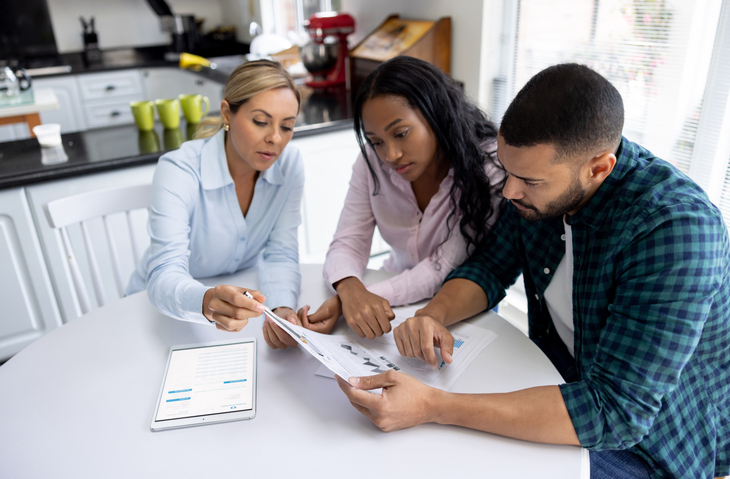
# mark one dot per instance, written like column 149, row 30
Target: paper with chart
column 348, row 355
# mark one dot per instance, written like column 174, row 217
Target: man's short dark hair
column 569, row 106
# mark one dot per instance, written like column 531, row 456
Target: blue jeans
column 620, row 464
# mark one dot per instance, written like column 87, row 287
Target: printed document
column 348, row 355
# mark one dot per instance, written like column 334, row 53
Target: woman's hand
column 325, row 318
column 276, row 337
column 229, row 309
column 366, row 313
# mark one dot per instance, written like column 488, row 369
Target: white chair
column 82, row 207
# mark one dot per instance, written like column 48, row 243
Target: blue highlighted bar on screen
column 236, row 381
column 180, row 391
column 178, row 399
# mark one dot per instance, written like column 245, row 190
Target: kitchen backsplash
column 132, row 23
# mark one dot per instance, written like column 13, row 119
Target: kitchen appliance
column 325, row 57
column 182, row 28
column 13, row 82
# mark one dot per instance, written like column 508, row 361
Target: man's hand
column 325, row 318
column 366, row 313
column 276, row 337
column 418, row 336
column 405, row 402
column 229, row 309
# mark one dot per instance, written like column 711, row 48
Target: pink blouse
column 414, row 236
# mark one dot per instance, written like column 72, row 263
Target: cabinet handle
column 115, row 113
column 110, row 88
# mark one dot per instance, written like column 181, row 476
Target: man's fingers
column 399, row 343
column 377, row 381
column 427, row 348
column 446, row 343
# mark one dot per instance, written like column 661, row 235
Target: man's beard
column 566, row 202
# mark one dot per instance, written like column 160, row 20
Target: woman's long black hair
column 460, row 128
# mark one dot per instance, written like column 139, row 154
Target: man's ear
column 600, row 166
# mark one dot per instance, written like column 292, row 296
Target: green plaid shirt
column 651, row 311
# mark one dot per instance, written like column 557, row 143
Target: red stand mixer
column 325, row 57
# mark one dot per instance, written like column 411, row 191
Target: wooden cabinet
column 29, row 308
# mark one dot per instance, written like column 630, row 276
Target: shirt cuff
column 338, row 274
column 191, row 304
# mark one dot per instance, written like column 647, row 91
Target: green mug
column 192, row 107
column 169, row 111
column 144, row 114
column 148, row 142
column 173, row 138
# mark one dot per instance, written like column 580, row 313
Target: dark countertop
column 124, row 146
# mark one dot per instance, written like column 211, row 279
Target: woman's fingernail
column 260, row 307
column 354, row 380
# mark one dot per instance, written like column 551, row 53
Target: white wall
column 467, row 19
column 130, row 23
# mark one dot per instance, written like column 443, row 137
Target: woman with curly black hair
column 427, row 177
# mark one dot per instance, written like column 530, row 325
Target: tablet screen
column 208, row 380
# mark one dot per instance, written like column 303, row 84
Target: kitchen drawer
column 100, row 114
column 98, row 86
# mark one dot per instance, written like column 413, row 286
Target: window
column 670, row 59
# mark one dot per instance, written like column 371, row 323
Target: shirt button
column 562, row 237
column 537, row 297
column 546, row 271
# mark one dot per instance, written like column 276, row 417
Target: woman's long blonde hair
column 246, row 81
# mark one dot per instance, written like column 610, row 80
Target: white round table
column 78, row 403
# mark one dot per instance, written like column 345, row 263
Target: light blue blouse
column 197, row 229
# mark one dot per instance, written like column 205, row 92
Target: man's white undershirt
column 559, row 293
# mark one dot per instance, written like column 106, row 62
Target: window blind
column 669, row 59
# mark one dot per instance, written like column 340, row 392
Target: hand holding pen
column 230, row 307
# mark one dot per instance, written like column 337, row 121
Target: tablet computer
column 207, row 383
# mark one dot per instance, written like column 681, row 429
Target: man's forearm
column 456, row 300
column 535, row 414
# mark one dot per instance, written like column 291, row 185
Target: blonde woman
column 228, row 201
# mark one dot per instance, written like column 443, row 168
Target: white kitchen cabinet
column 106, row 97
column 171, row 82
column 328, row 160
column 14, row 131
column 29, row 307
column 50, row 239
column 70, row 113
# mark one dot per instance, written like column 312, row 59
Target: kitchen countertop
column 123, row 146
